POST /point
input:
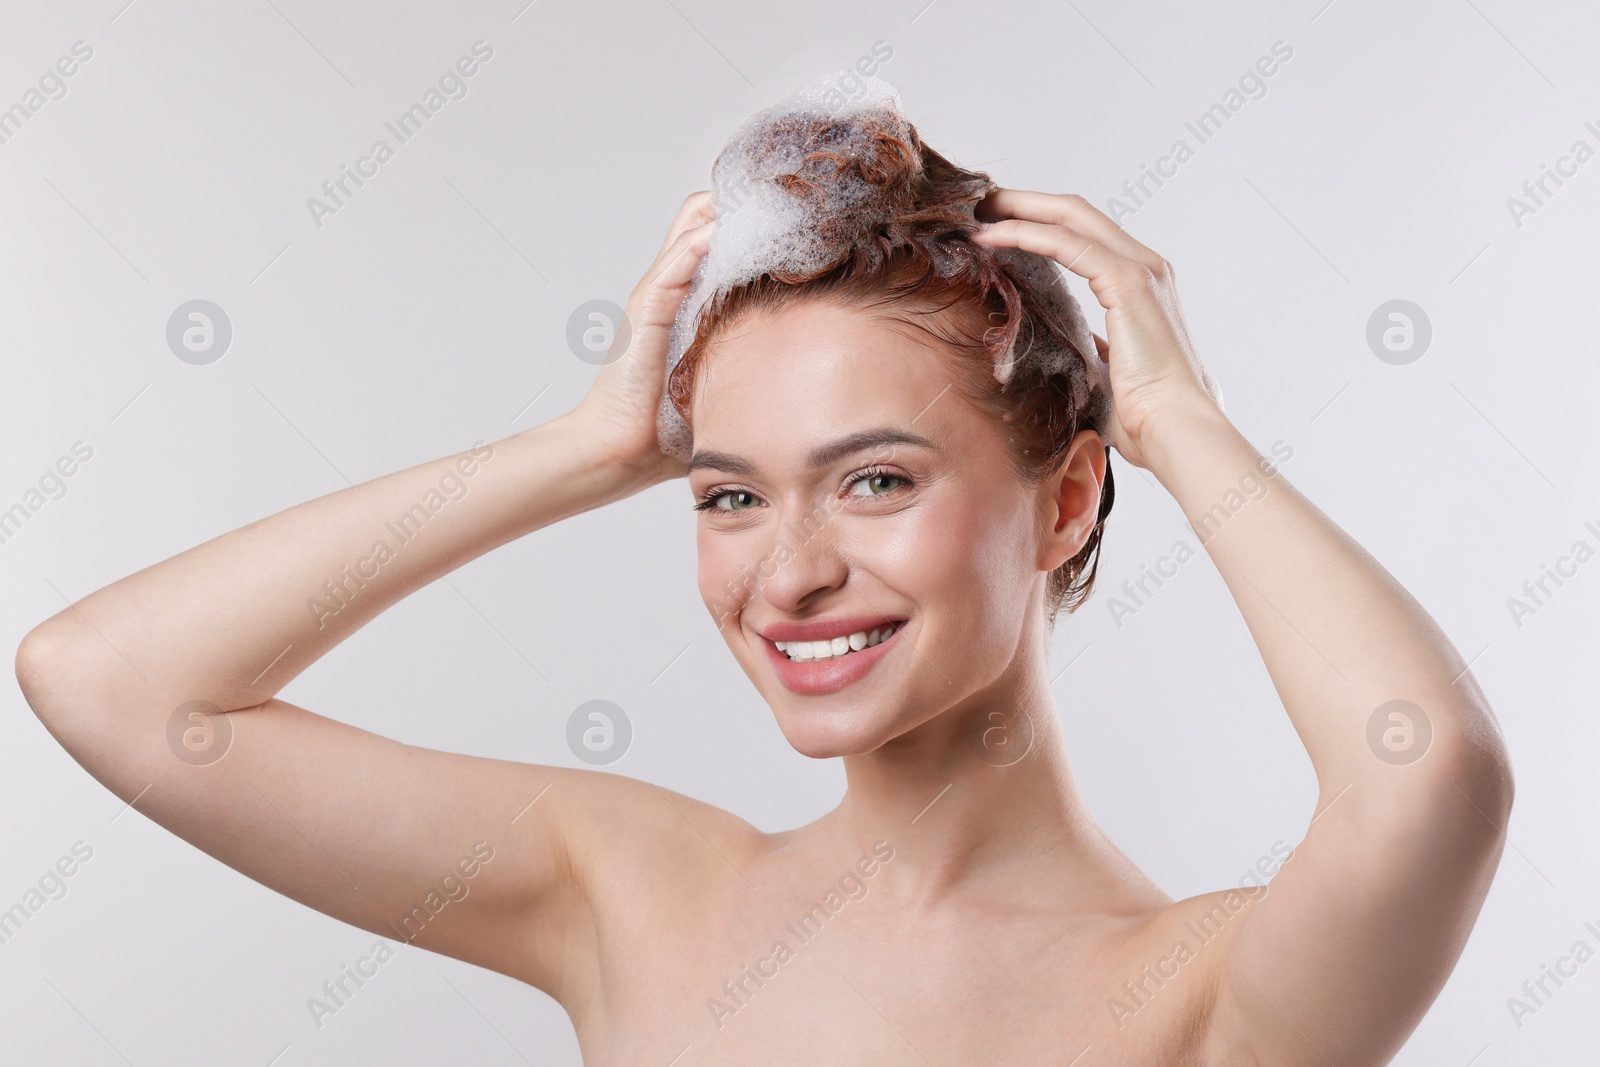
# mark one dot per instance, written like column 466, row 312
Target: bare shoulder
column 642, row 861
column 621, row 830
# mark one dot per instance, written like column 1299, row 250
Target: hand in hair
column 1152, row 362
column 620, row 408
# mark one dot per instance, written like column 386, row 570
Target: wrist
column 605, row 473
column 1179, row 426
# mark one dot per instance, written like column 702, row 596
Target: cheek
column 718, row 567
column 731, row 569
column 968, row 559
column 973, row 567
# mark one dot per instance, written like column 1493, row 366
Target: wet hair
column 903, row 251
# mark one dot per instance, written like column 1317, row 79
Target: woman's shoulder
column 624, row 831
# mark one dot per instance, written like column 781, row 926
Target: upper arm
column 1358, row 931
column 462, row 855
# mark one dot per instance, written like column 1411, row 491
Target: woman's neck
column 977, row 803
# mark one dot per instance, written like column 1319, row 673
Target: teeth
column 805, row 651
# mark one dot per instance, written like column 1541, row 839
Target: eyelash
column 708, row 501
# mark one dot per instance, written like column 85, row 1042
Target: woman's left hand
column 1152, row 363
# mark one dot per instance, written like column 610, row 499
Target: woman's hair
column 914, row 262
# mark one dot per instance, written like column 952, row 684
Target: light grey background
column 431, row 311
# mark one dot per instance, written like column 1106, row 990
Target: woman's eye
column 745, row 500
column 875, row 484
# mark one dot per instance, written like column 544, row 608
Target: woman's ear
column 1069, row 500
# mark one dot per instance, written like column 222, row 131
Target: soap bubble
column 811, row 176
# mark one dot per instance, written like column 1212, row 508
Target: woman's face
column 849, row 484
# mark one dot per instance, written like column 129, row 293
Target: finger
column 697, row 208
column 656, row 301
column 1068, row 209
column 676, row 264
column 1106, row 270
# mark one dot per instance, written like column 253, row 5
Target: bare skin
column 977, row 912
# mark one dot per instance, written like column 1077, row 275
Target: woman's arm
column 1359, row 931
column 356, row 825
column 237, row 618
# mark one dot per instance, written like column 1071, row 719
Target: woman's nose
column 804, row 560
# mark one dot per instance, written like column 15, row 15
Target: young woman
column 959, row 906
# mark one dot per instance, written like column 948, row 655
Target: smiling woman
column 923, row 293
column 897, row 459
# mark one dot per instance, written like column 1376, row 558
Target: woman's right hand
column 618, row 415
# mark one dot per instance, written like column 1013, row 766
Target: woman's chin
column 827, row 736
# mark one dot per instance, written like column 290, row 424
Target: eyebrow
column 821, row 456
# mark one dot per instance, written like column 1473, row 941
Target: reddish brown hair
column 905, row 252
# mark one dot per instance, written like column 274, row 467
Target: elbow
column 37, row 664
column 1474, row 763
column 1491, row 777
column 53, row 668
column 84, row 698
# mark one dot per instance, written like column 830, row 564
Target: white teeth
column 805, row 651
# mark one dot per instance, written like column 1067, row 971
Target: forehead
column 815, row 369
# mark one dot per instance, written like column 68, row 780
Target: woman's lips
column 816, row 677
